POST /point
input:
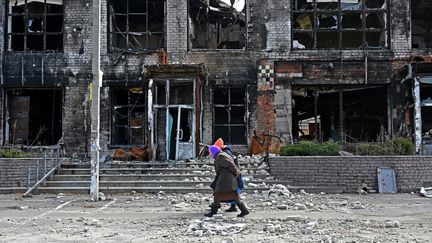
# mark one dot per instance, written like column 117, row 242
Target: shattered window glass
column 339, row 24
column 35, row 25
column 137, row 25
column 229, row 112
column 217, row 24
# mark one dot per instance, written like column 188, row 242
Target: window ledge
column 244, row 50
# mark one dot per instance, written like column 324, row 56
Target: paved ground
column 164, row 217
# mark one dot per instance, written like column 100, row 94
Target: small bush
column 12, row 153
column 373, row 149
column 308, row 148
column 402, row 146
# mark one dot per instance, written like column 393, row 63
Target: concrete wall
column 352, row 172
column 13, row 172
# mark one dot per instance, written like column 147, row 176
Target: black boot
column 213, row 210
column 243, row 209
column 231, row 209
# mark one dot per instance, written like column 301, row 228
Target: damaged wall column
column 417, row 117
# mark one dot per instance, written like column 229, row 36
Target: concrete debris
column 94, row 222
column 19, row 207
column 228, row 240
column 282, row 207
column 102, row 196
column 357, row 205
column 300, row 206
column 392, row 224
column 212, row 227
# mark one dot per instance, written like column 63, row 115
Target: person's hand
column 238, row 173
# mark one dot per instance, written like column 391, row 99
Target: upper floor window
column 217, row 24
column 340, row 24
column 35, row 25
column 136, row 25
column 421, row 27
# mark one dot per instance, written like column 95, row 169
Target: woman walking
column 225, row 186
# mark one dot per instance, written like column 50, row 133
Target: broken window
column 35, row 25
column 229, row 115
column 137, row 25
column 128, row 115
column 421, row 19
column 333, row 24
column 317, row 113
column 217, row 24
column 34, row 116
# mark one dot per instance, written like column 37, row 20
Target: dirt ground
column 276, row 216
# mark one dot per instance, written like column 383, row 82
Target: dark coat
column 226, row 172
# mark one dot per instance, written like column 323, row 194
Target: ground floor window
column 128, row 114
column 34, row 116
column 318, row 113
column 229, row 115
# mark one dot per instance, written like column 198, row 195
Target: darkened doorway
column 34, row 116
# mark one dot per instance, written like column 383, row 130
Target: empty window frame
column 217, row 24
column 128, row 114
column 229, row 115
column 136, row 25
column 340, row 24
column 421, row 19
column 35, row 25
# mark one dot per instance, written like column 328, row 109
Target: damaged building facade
column 180, row 73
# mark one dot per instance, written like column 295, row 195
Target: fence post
column 44, row 170
column 36, row 173
column 28, row 177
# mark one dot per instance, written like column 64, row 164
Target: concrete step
column 135, row 171
column 117, row 164
column 85, row 190
column 113, row 190
column 139, row 177
column 171, row 183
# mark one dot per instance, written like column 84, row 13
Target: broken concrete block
column 300, row 206
column 282, row 207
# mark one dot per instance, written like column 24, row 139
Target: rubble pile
column 216, row 225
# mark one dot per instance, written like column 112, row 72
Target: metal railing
column 54, row 163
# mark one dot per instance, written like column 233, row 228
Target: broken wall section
column 217, row 24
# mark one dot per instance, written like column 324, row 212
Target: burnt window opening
column 229, row 115
column 34, row 116
column 217, row 24
column 136, row 25
column 128, row 114
column 421, row 20
column 316, row 113
column 35, row 25
column 340, row 24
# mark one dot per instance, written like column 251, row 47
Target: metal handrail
column 46, row 175
column 27, row 193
